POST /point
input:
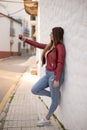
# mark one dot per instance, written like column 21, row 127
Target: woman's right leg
column 40, row 86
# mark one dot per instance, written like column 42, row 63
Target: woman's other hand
column 55, row 84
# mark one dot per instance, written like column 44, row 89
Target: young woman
column 54, row 56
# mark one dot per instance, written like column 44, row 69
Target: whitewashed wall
column 4, row 29
column 4, row 34
column 18, row 30
column 72, row 16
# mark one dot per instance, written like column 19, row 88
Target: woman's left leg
column 40, row 87
column 55, row 95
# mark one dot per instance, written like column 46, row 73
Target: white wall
column 4, row 34
column 72, row 16
column 4, row 29
column 18, row 30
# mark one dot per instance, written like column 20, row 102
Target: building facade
column 10, row 29
column 11, row 25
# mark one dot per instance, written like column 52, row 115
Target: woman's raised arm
column 33, row 43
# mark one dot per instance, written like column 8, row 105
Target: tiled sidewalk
column 26, row 109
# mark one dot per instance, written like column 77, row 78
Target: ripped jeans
column 40, row 89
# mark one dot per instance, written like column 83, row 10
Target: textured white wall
column 18, row 30
column 72, row 16
column 4, row 34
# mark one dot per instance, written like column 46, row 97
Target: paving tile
column 14, row 128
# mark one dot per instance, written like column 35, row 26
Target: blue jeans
column 40, row 89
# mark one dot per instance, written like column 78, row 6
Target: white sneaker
column 43, row 122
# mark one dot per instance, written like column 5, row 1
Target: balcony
column 31, row 7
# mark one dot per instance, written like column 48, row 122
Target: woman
column 54, row 56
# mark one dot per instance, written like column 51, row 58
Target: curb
column 4, row 105
column 6, row 97
column 2, row 59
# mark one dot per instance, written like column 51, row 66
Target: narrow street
column 11, row 69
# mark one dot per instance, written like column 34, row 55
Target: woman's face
column 51, row 36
